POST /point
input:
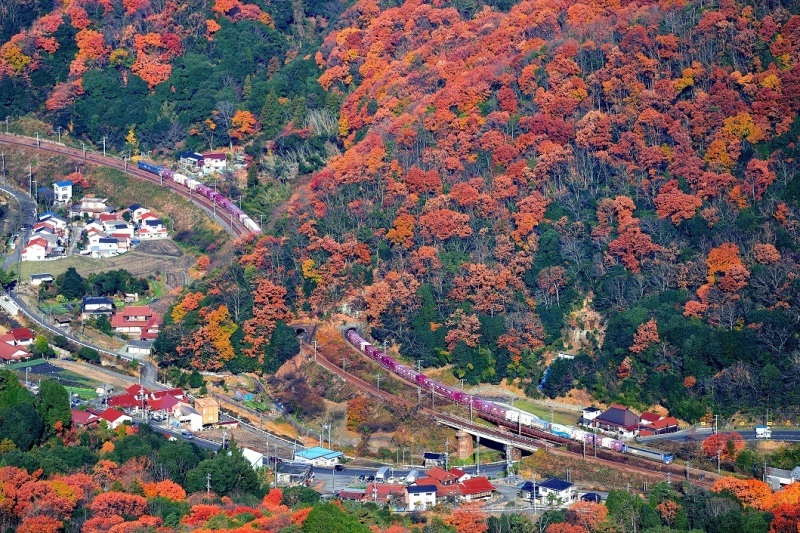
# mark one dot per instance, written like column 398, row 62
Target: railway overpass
column 507, row 439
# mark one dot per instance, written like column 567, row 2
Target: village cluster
column 100, row 230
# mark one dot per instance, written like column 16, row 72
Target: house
column 152, row 228
column 420, row 497
column 137, row 212
column 125, row 401
column 476, row 488
column 123, row 242
column 115, row 418
column 12, row 354
column 318, row 456
column 92, row 207
column 139, row 347
column 105, row 218
column 443, row 477
column 778, row 478
column 93, row 306
column 138, row 321
column 214, row 162
column 191, row 161
column 119, row 227
column 293, row 474
column 165, row 406
column 84, row 419
column 208, row 409
column 36, row 250
column 38, row 279
column 433, row 459
column 62, row 191
column 352, row 495
column 589, row 413
column 20, row 337
column 95, row 225
column 617, row 419
column 384, row 493
column 555, row 490
column 190, row 415
column 105, row 247
column 654, row 424
column 459, row 474
column 256, row 459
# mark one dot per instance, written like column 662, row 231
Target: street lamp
column 59, row 134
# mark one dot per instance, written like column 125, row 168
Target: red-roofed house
column 176, row 393
column 442, row 491
column 444, row 477
column 125, row 401
column 115, row 418
column 665, row 425
column 383, row 492
column 138, row 321
column 23, row 336
column 648, row 418
column 84, row 419
column 12, row 354
column 476, row 488
column 107, row 217
column 166, row 405
column 36, row 250
column 459, row 474
column 136, row 389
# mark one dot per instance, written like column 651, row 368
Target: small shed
column 38, row 279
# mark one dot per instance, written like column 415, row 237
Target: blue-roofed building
column 420, row 497
column 318, row 456
column 556, row 490
column 62, row 190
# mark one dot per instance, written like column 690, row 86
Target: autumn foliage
column 727, row 445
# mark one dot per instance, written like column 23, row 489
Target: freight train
column 499, row 410
column 224, row 203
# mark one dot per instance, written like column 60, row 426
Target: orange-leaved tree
column 727, row 445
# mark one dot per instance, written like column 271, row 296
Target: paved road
column 27, row 207
column 699, row 434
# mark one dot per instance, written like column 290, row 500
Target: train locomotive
column 224, row 203
column 497, row 409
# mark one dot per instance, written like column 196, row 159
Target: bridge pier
column 465, row 448
column 513, row 453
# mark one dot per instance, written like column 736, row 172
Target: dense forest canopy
column 492, row 182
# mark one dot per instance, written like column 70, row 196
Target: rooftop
column 417, row 489
column 555, row 484
column 318, row 452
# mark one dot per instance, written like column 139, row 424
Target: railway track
column 554, row 444
column 231, row 225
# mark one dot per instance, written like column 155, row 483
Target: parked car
column 362, row 477
column 186, row 435
column 339, row 468
column 371, row 479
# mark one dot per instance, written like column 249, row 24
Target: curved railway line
column 554, row 444
column 232, row 226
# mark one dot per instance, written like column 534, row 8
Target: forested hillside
column 500, row 173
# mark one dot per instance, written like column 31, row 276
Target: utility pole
column 446, row 448
column 378, row 378
column 315, row 350
column 30, row 180
column 6, row 125
column 478, row 455
column 83, row 146
column 208, row 483
column 716, row 424
column 104, row 145
column 344, row 364
column 59, row 134
column 462, row 384
column 418, row 361
column 718, row 460
column 224, row 434
column 38, row 144
column 433, row 401
column 470, row 408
